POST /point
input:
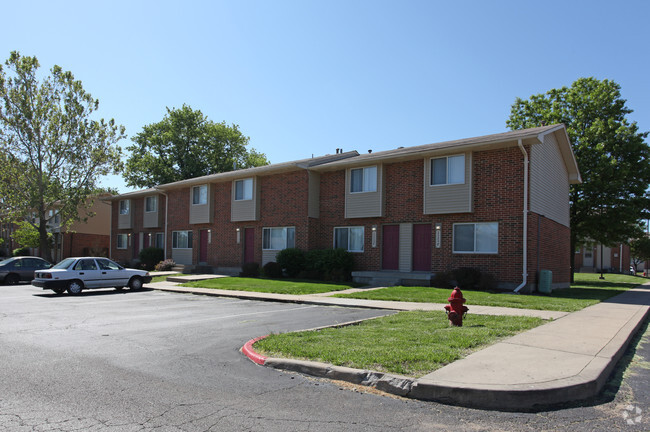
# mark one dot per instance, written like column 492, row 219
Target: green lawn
column 588, row 289
column 407, row 343
column 281, row 286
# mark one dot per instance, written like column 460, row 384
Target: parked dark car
column 16, row 269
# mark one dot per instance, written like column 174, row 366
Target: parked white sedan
column 77, row 274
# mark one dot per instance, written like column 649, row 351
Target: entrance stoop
column 392, row 278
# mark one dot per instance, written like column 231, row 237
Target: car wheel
column 12, row 279
column 135, row 283
column 58, row 290
column 75, row 287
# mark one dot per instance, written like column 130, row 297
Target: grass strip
column 587, row 290
column 406, row 343
column 277, row 286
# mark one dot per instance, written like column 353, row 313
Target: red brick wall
column 550, row 250
column 79, row 244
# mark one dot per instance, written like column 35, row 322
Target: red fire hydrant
column 455, row 309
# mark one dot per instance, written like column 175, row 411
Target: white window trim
column 252, row 189
column 155, row 200
column 447, row 160
column 363, row 176
column 285, row 240
column 126, row 242
column 182, row 248
column 453, row 240
column 363, row 236
column 207, row 195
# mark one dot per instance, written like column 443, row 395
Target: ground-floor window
column 122, row 241
column 278, row 238
column 349, row 238
column 476, row 237
column 182, row 240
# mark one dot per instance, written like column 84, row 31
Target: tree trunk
column 44, row 244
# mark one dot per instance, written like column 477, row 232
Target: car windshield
column 64, row 264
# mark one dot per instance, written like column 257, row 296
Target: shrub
column 251, row 269
column 150, row 256
column 166, row 265
column 330, row 264
column 467, row 277
column 442, row 280
column 23, row 251
column 291, row 260
column 272, row 270
column 488, row 282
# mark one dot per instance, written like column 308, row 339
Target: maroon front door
column 249, row 245
column 422, row 247
column 203, row 246
column 146, row 240
column 136, row 245
column 390, row 247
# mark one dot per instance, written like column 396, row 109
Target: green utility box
column 545, row 280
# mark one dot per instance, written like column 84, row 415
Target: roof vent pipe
column 525, row 216
column 369, row 151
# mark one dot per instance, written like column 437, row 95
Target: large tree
column 612, row 155
column 185, row 144
column 53, row 149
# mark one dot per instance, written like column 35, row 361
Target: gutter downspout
column 524, row 274
column 166, row 214
column 620, row 257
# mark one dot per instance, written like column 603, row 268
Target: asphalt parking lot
column 149, row 360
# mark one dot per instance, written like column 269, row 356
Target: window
column 160, row 241
column 448, row 170
column 200, row 194
column 476, row 237
column 151, row 204
column 122, row 241
column 363, row 179
column 182, row 240
column 85, row 264
column 278, row 238
column 125, row 206
column 349, row 238
column 244, row 189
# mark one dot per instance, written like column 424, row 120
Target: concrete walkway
column 568, row 359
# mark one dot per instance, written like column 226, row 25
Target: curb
column 517, row 398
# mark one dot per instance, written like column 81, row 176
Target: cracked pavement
column 155, row 361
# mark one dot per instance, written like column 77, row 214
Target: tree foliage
column 640, row 250
column 612, row 155
column 185, row 144
column 28, row 236
column 53, row 150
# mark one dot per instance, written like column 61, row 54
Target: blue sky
column 303, row 78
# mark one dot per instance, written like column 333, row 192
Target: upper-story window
column 200, row 194
column 125, row 207
column 151, row 204
column 244, row 189
column 448, row 170
column 363, row 179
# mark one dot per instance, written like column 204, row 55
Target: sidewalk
column 567, row 359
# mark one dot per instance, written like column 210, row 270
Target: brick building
column 499, row 203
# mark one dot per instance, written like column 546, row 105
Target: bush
column 488, row 282
column 330, row 264
column 251, row 269
column 166, row 265
column 150, row 256
column 442, row 280
column 291, row 260
column 467, row 277
column 272, row 270
column 23, row 251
